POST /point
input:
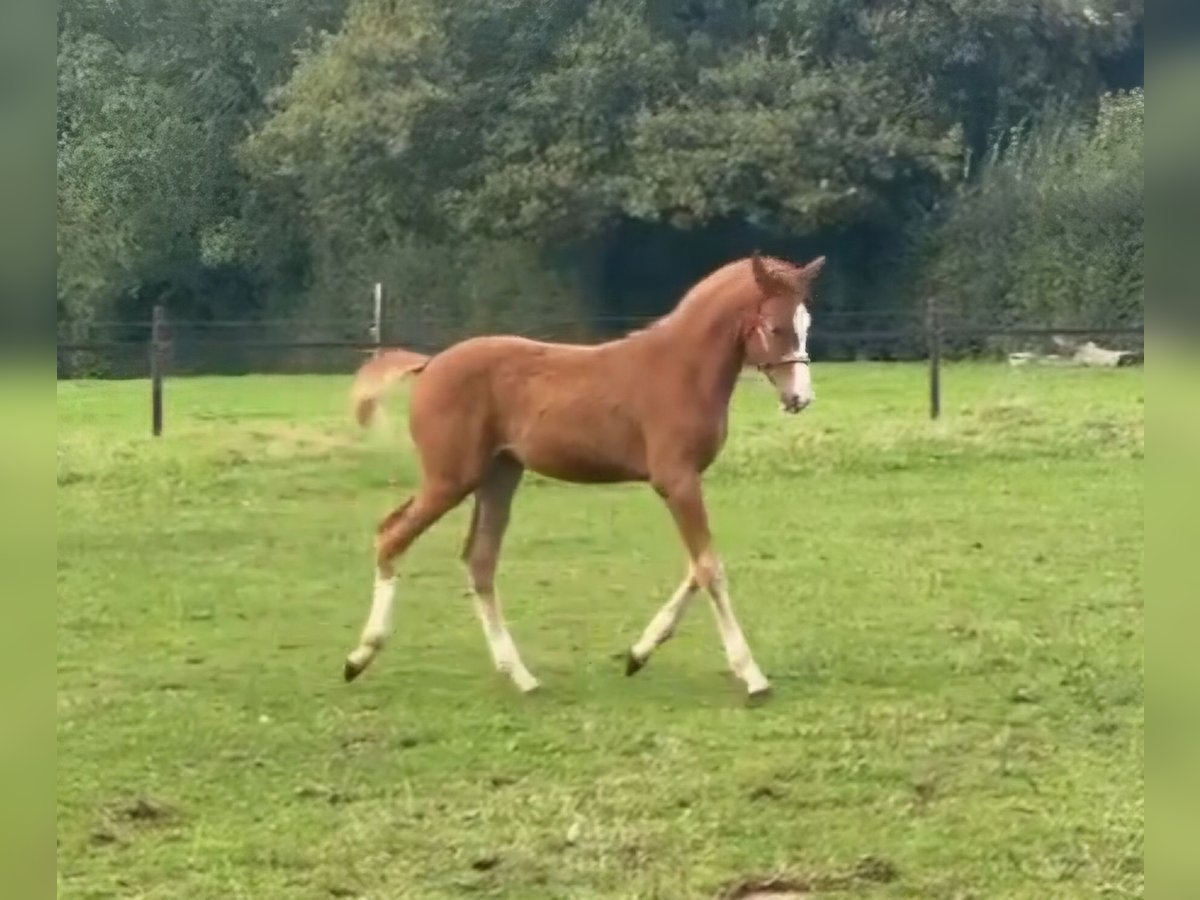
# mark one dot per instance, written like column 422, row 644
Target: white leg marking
column 500, row 642
column 663, row 625
column 379, row 622
column 737, row 651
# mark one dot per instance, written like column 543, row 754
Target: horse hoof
column 633, row 665
column 351, row 671
column 759, row 697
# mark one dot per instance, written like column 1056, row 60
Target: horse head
column 775, row 340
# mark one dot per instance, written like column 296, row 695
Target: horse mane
column 717, row 282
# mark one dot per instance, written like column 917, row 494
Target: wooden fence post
column 157, row 364
column 377, row 327
column 933, row 338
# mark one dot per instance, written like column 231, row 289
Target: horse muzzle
column 794, row 403
column 792, row 380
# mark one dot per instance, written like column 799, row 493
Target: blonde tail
column 376, row 375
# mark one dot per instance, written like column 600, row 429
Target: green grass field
column 951, row 615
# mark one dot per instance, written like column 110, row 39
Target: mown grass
column 951, row 614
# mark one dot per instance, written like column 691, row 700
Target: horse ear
column 813, row 269
column 762, row 276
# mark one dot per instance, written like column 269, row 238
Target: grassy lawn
column 951, row 614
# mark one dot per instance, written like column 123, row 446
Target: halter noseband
column 792, row 359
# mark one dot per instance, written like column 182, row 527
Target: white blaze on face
column 799, row 376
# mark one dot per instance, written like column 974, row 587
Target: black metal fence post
column 934, row 342
column 157, row 364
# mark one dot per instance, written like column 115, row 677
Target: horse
column 651, row 406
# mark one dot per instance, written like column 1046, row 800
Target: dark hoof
column 350, row 671
column 633, row 665
column 758, row 698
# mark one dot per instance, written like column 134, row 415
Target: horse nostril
column 796, row 403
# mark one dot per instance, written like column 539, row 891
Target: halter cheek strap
column 792, row 359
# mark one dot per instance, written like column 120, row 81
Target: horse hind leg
column 481, row 554
column 394, row 535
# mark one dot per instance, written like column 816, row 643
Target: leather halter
column 792, row 359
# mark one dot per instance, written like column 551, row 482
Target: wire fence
column 310, row 346
column 163, row 348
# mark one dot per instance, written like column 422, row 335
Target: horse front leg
column 737, row 650
column 663, row 625
column 685, row 499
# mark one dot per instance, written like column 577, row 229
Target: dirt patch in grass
column 119, row 820
column 769, row 889
column 143, row 811
column 868, row 870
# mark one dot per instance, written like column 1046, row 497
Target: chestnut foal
column 651, row 406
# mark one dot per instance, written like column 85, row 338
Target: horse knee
column 707, row 572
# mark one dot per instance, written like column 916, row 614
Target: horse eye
column 778, row 330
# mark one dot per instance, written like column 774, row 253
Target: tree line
column 501, row 163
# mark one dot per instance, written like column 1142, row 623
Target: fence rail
column 159, row 347
column 856, row 335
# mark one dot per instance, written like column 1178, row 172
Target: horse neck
column 701, row 352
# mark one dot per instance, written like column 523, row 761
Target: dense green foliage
column 500, row 163
column 1053, row 228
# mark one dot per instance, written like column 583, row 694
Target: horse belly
column 577, row 444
